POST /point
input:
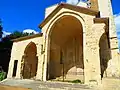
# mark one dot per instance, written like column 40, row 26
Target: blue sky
column 28, row 14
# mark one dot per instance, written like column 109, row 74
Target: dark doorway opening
column 15, row 68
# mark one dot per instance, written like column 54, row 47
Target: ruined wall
column 90, row 37
column 18, row 52
column 105, row 9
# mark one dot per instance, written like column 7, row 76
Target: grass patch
column 75, row 81
column 69, row 81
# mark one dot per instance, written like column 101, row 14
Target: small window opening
column 42, row 51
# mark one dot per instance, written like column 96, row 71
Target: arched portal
column 66, row 50
column 30, row 61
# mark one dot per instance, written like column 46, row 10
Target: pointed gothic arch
column 29, row 62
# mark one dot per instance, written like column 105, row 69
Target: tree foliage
column 6, row 46
column 18, row 34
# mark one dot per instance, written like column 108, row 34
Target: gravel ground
column 108, row 84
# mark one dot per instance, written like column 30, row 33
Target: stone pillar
column 45, row 69
column 22, row 66
column 85, row 60
column 11, row 63
column 45, row 58
column 10, row 69
column 95, row 65
column 18, row 72
column 40, row 63
column 91, row 39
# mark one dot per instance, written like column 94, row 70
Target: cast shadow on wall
column 105, row 53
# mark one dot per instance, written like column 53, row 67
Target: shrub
column 2, row 75
column 76, row 81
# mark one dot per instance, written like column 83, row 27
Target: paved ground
column 108, row 84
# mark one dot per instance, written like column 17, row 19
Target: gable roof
column 72, row 7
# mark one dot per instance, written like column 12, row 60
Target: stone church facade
column 76, row 42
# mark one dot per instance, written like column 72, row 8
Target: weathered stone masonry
column 76, row 43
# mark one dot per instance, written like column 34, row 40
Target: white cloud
column 24, row 31
column 117, row 22
column 5, row 33
column 73, row 2
column 30, row 31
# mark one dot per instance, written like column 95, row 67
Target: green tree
column 14, row 35
column 5, row 49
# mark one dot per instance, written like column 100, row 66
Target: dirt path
column 5, row 87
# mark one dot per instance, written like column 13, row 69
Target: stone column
column 11, row 63
column 85, row 61
column 45, row 58
column 45, row 69
column 18, row 72
column 91, row 39
column 10, row 69
column 98, row 30
column 22, row 66
column 40, row 63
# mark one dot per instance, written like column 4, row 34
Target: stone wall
column 18, row 52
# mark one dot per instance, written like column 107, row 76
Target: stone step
column 107, row 84
column 40, row 85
